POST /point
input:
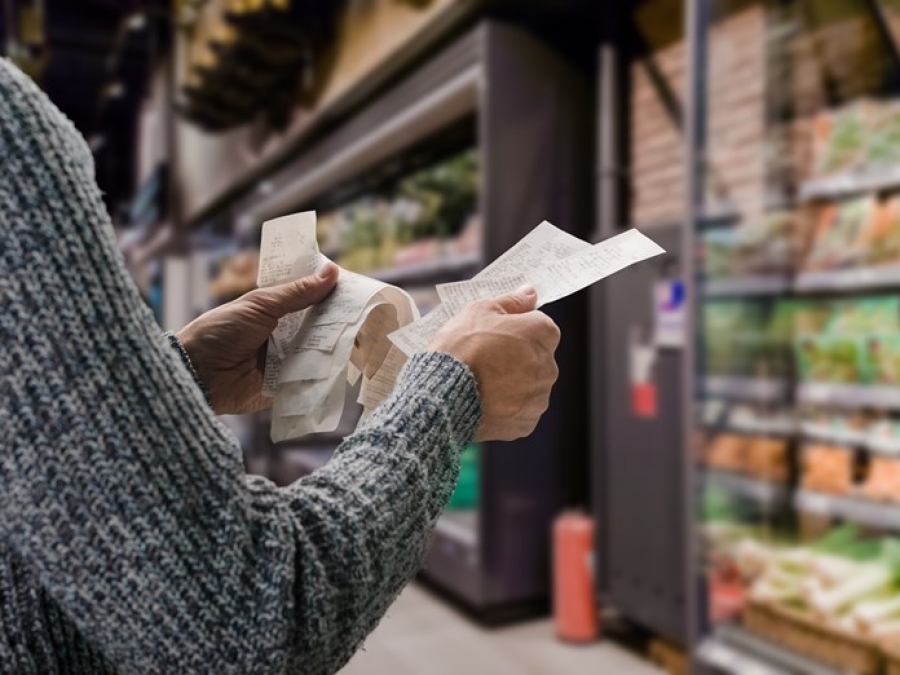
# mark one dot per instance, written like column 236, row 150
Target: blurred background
column 716, row 487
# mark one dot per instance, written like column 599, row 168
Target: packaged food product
column 881, row 237
column 764, row 245
column 735, row 335
column 883, row 480
column 718, row 252
column 883, row 359
column 827, row 468
column 768, row 459
column 728, row 452
column 810, row 316
column 839, row 139
column 864, row 315
column 836, row 239
column 883, row 138
column 830, row 358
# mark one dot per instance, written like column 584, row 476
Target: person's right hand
column 509, row 347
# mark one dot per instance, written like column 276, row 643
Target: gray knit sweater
column 131, row 541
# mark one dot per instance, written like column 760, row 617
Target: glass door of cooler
column 794, row 129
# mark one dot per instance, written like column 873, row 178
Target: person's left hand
column 227, row 345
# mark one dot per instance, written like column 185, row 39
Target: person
column 131, row 541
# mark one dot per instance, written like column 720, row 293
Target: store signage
column 669, row 313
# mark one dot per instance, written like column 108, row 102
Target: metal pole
column 696, row 34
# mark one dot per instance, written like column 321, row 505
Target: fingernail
column 526, row 290
column 327, row 271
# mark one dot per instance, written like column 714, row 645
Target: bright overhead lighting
column 136, row 22
column 115, row 90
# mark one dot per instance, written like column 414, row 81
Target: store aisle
column 421, row 634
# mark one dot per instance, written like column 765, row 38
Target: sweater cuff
column 449, row 382
column 175, row 343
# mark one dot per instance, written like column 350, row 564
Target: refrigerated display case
column 428, row 182
column 792, row 116
column 745, row 481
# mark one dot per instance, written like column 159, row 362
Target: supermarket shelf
column 735, row 650
column 849, row 395
column 747, row 286
column 849, row 280
column 822, row 434
column 780, row 428
column 874, row 514
column 750, row 388
column 851, row 182
column 862, row 439
column 442, row 268
column 764, row 492
column 763, row 427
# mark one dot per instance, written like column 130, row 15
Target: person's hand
column 509, row 348
column 227, row 345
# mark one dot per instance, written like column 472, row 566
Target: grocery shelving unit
column 734, row 650
column 763, row 492
column 802, row 40
column 492, row 559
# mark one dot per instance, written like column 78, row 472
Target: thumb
column 523, row 300
column 299, row 294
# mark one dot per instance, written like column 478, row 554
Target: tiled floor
column 422, row 635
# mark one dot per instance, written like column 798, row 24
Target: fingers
column 523, row 300
column 538, row 327
column 300, row 294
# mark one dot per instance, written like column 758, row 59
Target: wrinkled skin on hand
column 227, row 345
column 509, row 347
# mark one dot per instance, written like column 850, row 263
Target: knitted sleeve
column 126, row 497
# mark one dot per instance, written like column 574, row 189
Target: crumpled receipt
column 368, row 329
column 314, row 353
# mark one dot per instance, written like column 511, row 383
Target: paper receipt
column 366, row 329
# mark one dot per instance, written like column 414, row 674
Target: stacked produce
column 860, row 232
column 747, row 339
column 844, row 581
column 759, row 457
column 827, row 468
column 849, row 341
column 860, row 135
column 883, row 480
column 758, row 246
column 430, row 214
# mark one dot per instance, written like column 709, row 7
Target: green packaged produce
column 837, row 234
column 883, row 142
column 840, row 139
column 830, row 358
column 864, row 316
column 883, row 359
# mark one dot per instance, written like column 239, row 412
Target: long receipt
column 366, row 330
column 315, row 353
column 554, row 262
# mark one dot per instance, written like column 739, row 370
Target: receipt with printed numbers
column 365, row 330
column 310, row 354
column 555, row 262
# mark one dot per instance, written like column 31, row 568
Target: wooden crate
column 669, row 657
column 891, row 659
column 803, row 634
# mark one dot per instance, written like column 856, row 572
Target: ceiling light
column 136, row 22
column 114, row 90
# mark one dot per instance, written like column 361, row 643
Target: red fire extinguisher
column 574, row 605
